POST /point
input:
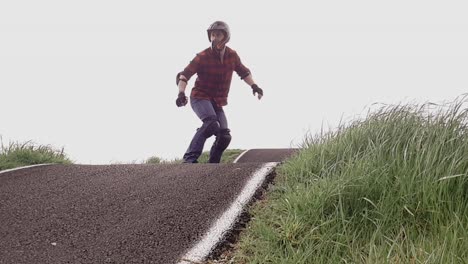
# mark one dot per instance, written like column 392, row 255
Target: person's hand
column 181, row 99
column 257, row 90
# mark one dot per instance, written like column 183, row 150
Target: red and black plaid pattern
column 213, row 77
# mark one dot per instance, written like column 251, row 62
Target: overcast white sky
column 98, row 77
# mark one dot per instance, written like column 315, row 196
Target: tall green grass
column 389, row 188
column 17, row 154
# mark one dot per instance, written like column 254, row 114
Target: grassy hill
column 391, row 188
column 18, row 154
column 228, row 157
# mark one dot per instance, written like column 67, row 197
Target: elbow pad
column 178, row 79
column 245, row 75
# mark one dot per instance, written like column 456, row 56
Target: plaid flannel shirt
column 213, row 77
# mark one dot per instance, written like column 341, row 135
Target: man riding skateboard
column 214, row 67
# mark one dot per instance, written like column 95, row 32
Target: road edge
column 240, row 156
column 224, row 223
column 25, row 167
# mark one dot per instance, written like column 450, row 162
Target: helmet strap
column 215, row 46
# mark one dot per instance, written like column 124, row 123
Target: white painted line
column 25, row 167
column 238, row 157
column 214, row 235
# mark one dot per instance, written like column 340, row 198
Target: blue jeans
column 203, row 108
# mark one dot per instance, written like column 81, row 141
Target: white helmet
column 220, row 25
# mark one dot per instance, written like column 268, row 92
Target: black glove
column 256, row 89
column 181, row 99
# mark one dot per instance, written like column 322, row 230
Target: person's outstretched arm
column 255, row 89
column 182, row 80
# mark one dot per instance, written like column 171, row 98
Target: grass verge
column 391, row 188
column 18, row 154
column 228, row 157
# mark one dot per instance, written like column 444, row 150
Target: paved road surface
column 113, row 213
column 265, row 155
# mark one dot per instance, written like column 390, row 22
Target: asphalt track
column 118, row 213
column 265, row 155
